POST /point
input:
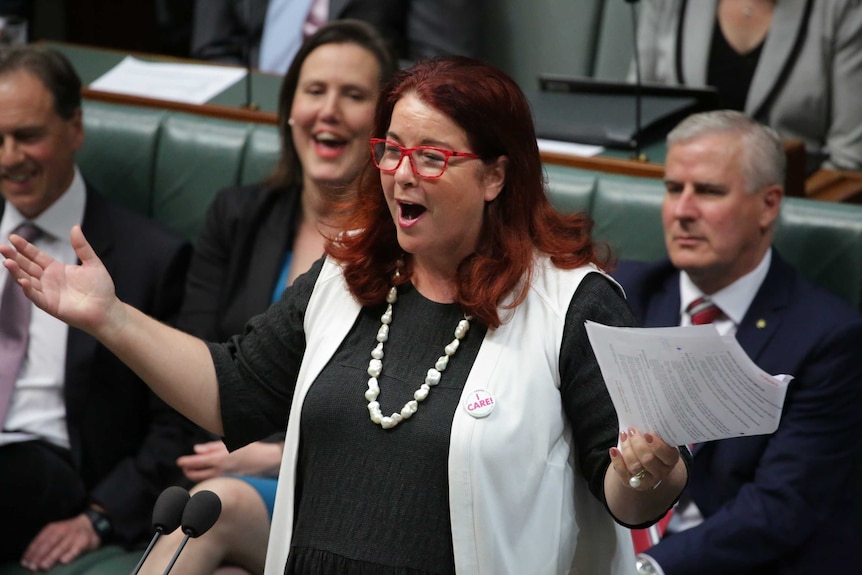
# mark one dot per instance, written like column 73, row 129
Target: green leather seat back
column 570, row 190
column 823, row 240
column 119, row 151
column 627, row 212
column 260, row 154
column 196, row 157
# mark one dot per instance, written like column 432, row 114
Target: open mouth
column 330, row 141
column 411, row 211
column 18, row 178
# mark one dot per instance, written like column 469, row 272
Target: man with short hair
column 770, row 504
column 85, row 447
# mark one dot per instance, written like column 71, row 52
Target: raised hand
column 80, row 295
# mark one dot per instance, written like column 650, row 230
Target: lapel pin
column 761, row 323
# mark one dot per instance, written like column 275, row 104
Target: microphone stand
column 249, row 104
column 177, row 554
column 635, row 141
column 146, row 553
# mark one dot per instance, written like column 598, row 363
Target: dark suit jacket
column 238, row 258
column 124, row 440
column 413, row 29
column 782, row 503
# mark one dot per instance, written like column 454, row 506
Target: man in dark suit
column 85, row 447
column 413, row 29
column 773, row 504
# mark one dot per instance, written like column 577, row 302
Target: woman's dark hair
column 490, row 107
column 53, row 70
column 288, row 171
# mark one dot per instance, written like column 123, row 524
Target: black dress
column 370, row 500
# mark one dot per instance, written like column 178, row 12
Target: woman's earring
column 290, row 121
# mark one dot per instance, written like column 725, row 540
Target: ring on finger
column 635, row 480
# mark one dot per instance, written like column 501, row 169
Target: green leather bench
column 109, row 560
column 821, row 239
column 168, row 165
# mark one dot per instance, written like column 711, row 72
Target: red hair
column 488, row 105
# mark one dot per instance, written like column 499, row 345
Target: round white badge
column 479, row 403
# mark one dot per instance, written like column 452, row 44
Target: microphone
column 200, row 514
column 167, row 515
column 635, row 142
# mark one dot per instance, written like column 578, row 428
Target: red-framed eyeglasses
column 427, row 161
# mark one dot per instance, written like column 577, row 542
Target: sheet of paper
column 687, row 384
column 189, row 83
column 571, row 148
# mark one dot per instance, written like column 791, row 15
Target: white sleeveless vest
column 517, row 503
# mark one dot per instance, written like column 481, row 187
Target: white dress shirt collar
column 733, row 300
column 58, row 219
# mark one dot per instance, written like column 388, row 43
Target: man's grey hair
column 763, row 160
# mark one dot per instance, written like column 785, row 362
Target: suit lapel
column 264, row 236
column 663, row 309
column 81, row 347
column 763, row 318
column 336, row 7
column 779, row 52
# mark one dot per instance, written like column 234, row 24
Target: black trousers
column 38, row 485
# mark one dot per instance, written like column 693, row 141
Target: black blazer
column 124, row 440
column 238, row 257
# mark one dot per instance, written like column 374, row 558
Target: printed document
column 686, row 384
column 178, row 82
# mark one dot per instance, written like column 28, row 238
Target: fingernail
column 649, row 438
column 632, row 431
column 623, row 436
column 614, row 452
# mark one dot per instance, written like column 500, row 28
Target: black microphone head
column 201, row 513
column 168, row 510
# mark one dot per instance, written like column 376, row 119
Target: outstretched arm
column 177, row 366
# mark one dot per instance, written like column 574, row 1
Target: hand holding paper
column 686, row 384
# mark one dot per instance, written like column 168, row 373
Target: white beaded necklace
column 432, row 378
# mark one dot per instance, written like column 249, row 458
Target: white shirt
column 37, row 409
column 734, row 300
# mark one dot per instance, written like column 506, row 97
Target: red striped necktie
column 703, row 311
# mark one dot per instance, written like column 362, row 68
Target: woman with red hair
column 445, row 412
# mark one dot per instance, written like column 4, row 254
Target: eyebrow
column 424, row 142
column 698, row 186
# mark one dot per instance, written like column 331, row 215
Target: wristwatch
column 101, row 523
column 645, row 566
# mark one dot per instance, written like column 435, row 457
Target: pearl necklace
column 432, row 378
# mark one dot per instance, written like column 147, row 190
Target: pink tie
column 317, row 15
column 14, row 329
